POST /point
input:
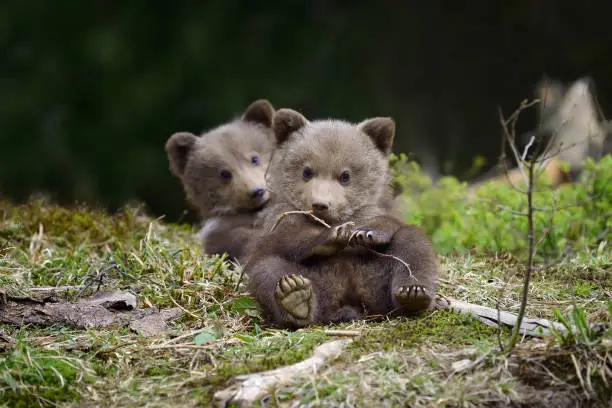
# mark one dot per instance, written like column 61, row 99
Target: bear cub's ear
column 381, row 131
column 178, row 147
column 287, row 121
column 260, row 112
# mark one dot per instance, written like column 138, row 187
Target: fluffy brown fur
column 223, row 175
column 302, row 272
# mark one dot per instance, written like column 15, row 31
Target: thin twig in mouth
column 314, row 217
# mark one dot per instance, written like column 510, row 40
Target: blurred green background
column 91, row 90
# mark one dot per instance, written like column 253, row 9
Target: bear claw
column 294, row 295
column 369, row 237
column 343, row 232
column 413, row 298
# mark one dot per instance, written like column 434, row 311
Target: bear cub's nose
column 320, row 205
column 257, row 192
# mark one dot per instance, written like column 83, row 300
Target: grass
column 438, row 359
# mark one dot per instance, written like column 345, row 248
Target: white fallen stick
column 494, row 317
column 250, row 388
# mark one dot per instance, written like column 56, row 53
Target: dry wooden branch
column 495, row 317
column 251, row 388
column 309, row 213
column 348, row 333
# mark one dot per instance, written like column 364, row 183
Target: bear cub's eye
column 255, row 160
column 307, row 173
column 226, row 175
column 344, row 177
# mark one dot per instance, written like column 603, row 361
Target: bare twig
column 527, row 148
column 53, row 288
column 499, row 332
column 395, row 258
column 530, row 255
column 309, row 213
column 510, row 136
column 532, row 327
column 349, row 333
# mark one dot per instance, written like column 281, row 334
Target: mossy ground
column 396, row 362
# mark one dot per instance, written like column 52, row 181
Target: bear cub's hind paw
column 294, row 294
column 413, row 298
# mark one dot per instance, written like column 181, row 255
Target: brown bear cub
column 223, row 175
column 302, row 272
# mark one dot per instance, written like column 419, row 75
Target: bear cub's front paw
column 342, row 233
column 370, row 237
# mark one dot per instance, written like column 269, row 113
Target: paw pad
column 294, row 295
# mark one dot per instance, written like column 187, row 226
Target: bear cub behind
column 302, row 272
column 223, row 175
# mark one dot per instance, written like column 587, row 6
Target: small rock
column 461, row 365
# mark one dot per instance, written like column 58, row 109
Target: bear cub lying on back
column 302, row 272
column 223, row 175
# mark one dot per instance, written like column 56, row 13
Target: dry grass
column 438, row 359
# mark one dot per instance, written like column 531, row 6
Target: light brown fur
column 302, row 272
column 223, row 175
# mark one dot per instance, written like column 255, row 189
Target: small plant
column 578, row 329
column 572, row 217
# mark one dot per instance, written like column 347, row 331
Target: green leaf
column 10, row 381
column 205, row 337
column 245, row 337
column 241, row 305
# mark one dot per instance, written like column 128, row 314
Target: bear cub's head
column 223, row 170
column 334, row 168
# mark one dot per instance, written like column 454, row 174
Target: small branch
column 530, row 255
column 499, row 332
column 52, row 288
column 189, row 346
column 251, row 388
column 348, row 333
column 527, row 148
column 496, row 317
column 394, row 258
column 309, row 213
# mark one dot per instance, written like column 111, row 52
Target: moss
column 439, row 327
column 33, row 376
